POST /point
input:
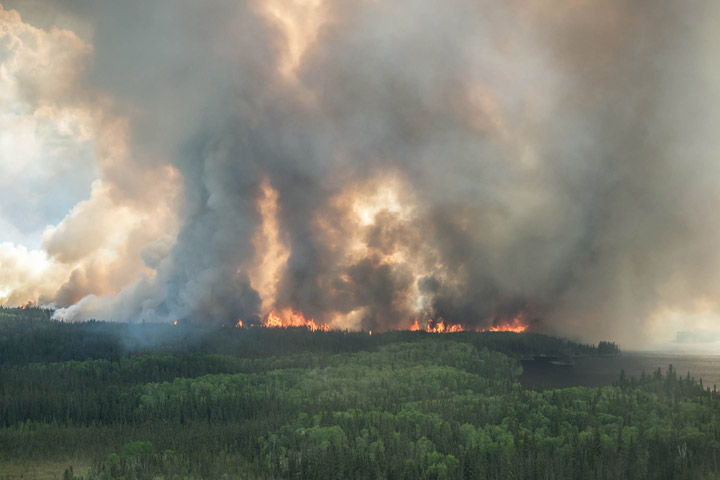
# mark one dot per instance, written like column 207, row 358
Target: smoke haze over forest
column 367, row 163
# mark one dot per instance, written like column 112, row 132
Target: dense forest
column 174, row 402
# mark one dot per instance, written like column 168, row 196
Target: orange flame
column 437, row 327
column 293, row 319
column 23, row 307
column 517, row 325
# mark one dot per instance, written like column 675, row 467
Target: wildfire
column 175, row 322
column 517, row 325
column 437, row 327
column 454, row 328
column 290, row 318
column 293, row 319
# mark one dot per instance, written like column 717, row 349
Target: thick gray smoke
column 554, row 159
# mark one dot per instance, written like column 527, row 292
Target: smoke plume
column 375, row 163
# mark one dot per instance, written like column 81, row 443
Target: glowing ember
column 293, row 319
column 370, row 333
column 239, row 324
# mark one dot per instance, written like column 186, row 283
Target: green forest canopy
column 261, row 403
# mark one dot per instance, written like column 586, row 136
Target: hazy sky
column 368, row 163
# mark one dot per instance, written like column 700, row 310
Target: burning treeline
column 293, row 319
column 371, row 225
